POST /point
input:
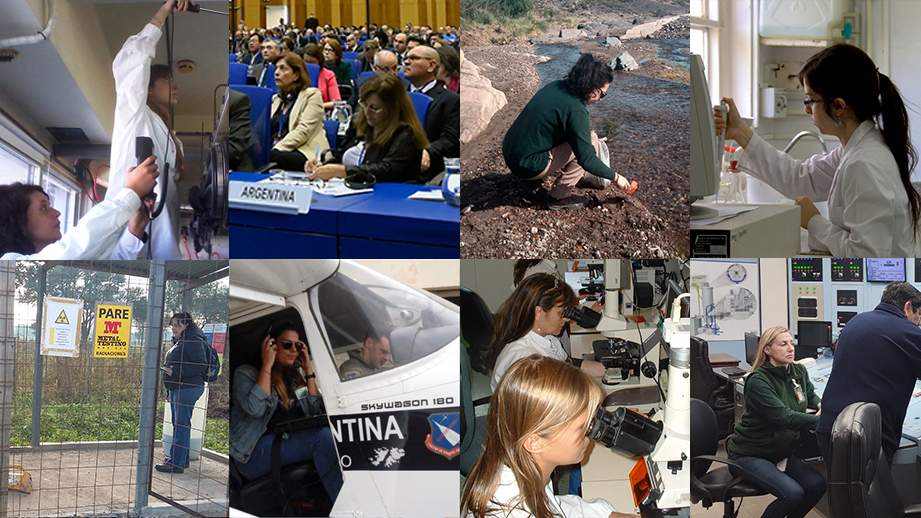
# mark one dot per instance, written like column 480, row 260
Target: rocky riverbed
column 647, row 144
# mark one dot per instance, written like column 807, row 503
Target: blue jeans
column 182, row 403
column 311, row 444
column 797, row 489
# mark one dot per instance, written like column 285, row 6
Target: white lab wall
column 492, row 278
column 896, row 50
column 775, row 299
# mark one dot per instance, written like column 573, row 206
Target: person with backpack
column 184, row 374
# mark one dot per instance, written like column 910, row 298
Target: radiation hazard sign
column 61, row 326
column 113, row 330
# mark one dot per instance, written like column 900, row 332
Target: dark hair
column 314, row 50
column 297, row 65
column 586, row 76
column 185, row 318
column 416, row 38
column 846, row 72
column 288, row 43
column 898, row 293
column 392, row 93
column 516, row 316
column 256, row 34
column 450, row 60
column 278, row 377
column 521, row 266
column 14, row 218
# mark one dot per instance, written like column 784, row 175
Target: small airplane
column 397, row 429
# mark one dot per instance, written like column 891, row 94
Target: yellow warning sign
column 62, row 318
column 113, row 331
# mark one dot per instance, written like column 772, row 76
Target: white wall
column 425, row 274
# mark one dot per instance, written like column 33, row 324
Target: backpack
column 214, row 364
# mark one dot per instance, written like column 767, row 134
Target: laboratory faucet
column 802, row 134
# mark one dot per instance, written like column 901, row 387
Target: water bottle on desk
column 450, row 186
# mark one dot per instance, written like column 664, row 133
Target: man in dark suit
column 241, row 132
column 253, row 59
column 312, row 23
column 442, row 124
column 385, row 62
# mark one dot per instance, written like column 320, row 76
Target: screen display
column 846, row 270
column 751, row 347
column 806, row 269
column 814, row 334
column 885, row 270
column 845, row 316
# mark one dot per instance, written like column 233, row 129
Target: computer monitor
column 812, row 334
column 706, row 147
column 751, row 347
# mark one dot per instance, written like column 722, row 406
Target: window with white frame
column 705, row 27
column 63, row 197
column 15, row 168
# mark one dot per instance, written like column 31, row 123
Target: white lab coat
column 531, row 343
column 868, row 210
column 134, row 119
column 567, row 506
column 96, row 234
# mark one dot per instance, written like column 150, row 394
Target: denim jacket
column 251, row 410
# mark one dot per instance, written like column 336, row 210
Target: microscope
column 660, row 479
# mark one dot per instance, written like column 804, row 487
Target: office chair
column 708, row 387
column 860, row 482
column 421, row 103
column 473, row 427
column 476, row 327
column 717, row 485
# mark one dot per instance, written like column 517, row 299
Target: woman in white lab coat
column 538, row 420
column 144, row 94
column 873, row 209
column 529, row 322
column 30, row 229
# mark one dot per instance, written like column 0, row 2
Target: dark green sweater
column 773, row 417
column 552, row 117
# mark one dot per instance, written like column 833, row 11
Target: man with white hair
column 385, row 62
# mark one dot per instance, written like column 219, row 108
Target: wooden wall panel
column 395, row 13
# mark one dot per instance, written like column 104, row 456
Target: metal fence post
column 7, row 357
column 39, row 361
column 148, row 411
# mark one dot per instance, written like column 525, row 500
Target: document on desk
column 334, row 187
column 433, row 195
column 727, row 212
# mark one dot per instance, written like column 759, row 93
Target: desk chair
column 860, row 483
column 233, row 57
column 332, row 132
column 313, row 71
column 421, row 103
column 366, row 74
column 473, row 427
column 718, row 485
column 260, row 114
column 708, row 387
column 476, row 327
column 237, row 73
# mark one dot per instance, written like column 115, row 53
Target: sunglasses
column 603, row 95
column 288, row 344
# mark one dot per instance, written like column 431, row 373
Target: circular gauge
column 736, row 273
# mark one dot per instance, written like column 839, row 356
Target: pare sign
column 113, row 330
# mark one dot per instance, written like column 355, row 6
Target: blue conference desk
column 379, row 225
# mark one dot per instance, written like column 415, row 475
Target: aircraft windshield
column 373, row 323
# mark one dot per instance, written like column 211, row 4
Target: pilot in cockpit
column 371, row 358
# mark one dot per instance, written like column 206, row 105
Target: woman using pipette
column 873, row 208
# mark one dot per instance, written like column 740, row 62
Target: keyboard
column 734, row 372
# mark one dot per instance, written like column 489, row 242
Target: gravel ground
column 497, row 223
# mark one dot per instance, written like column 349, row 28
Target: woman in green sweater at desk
column 553, row 133
column 777, row 394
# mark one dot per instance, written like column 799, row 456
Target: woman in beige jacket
column 297, row 116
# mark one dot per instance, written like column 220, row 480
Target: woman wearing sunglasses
column 873, row 208
column 553, row 134
column 281, row 389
